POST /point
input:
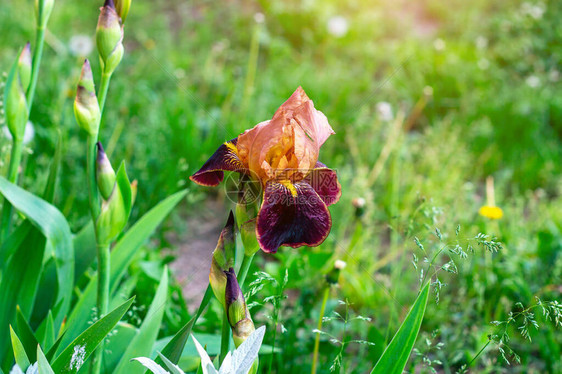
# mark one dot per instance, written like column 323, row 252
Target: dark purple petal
column 292, row 219
column 225, row 158
column 325, row 183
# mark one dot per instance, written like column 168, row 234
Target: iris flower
column 282, row 154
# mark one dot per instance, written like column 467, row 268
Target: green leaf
column 19, row 352
column 173, row 350
column 143, row 342
column 46, row 331
column 115, row 347
column 42, row 363
column 397, row 353
column 52, row 224
column 84, row 249
column 121, row 256
column 76, row 354
column 26, row 335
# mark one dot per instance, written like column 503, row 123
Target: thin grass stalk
column 319, row 328
column 244, row 267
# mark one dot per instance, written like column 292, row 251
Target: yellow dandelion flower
column 491, row 212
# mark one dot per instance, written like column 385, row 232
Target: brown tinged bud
column 236, row 310
column 24, row 66
column 86, row 107
column 109, row 37
column 105, row 176
column 223, row 259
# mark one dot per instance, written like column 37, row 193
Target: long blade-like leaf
column 143, row 342
column 396, row 354
column 121, row 256
column 76, row 354
column 19, row 351
column 54, row 227
column 42, row 363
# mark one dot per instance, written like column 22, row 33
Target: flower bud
column 109, row 37
column 43, row 9
column 115, row 210
column 236, row 310
column 134, row 189
column 359, row 205
column 122, row 7
column 105, row 176
column 223, row 259
column 86, row 107
column 24, row 66
column 15, row 103
column 333, row 276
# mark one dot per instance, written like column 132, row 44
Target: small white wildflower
column 384, row 111
column 337, row 26
column 554, row 75
column 81, row 45
column 483, row 64
column 259, row 17
column 533, row 81
column 78, row 356
column 28, row 134
column 481, row 42
column 340, row 265
column 439, row 44
column 535, row 11
column 358, row 202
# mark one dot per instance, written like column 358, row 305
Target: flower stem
column 37, row 55
column 94, row 196
column 246, row 262
column 225, row 338
column 102, row 300
column 102, row 92
column 319, row 328
column 15, row 160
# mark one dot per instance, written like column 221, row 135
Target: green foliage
column 397, row 353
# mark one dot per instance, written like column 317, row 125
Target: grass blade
column 397, row 353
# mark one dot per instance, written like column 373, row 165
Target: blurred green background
column 427, row 99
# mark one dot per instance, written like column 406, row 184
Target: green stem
column 94, row 196
column 225, row 338
column 15, row 160
column 102, row 91
column 103, row 298
column 319, row 328
column 37, row 55
column 246, row 262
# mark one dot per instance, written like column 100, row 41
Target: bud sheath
column 105, row 176
column 86, row 107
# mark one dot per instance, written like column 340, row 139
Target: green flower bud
column 15, row 103
column 43, row 9
column 105, row 176
column 333, row 276
column 109, row 37
column 122, row 7
column 223, row 259
column 86, row 107
column 116, row 209
column 24, row 66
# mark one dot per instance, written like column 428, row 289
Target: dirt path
column 194, row 252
